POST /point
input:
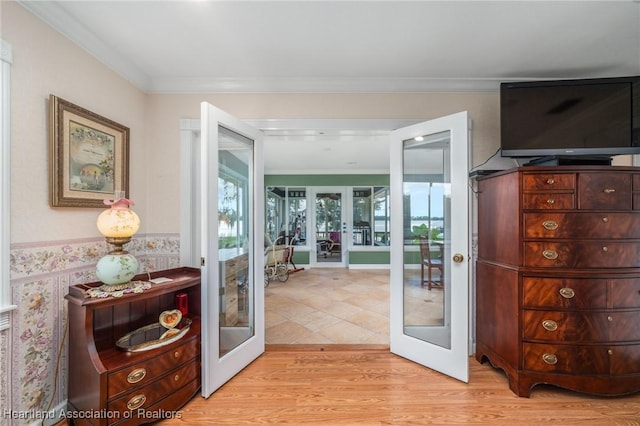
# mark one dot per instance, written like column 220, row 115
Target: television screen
column 570, row 117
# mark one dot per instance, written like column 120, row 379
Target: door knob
column 458, row 258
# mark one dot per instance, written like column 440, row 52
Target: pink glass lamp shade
column 118, row 224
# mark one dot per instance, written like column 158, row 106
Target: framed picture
column 89, row 159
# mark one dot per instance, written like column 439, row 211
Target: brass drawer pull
column 605, row 219
column 605, row 249
column 550, row 181
column 136, row 402
column 550, row 225
column 567, row 292
column 550, row 359
column 550, row 325
column 136, row 375
column 176, row 354
column 610, row 352
column 550, row 201
column 550, row 254
column 609, row 190
column 176, row 377
column 610, row 318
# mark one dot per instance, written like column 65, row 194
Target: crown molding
column 321, row 85
column 56, row 17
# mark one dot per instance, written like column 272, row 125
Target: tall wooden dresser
column 111, row 386
column 558, row 277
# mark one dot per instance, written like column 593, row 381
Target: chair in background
column 429, row 263
column 335, row 245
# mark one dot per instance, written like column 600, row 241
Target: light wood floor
column 375, row 387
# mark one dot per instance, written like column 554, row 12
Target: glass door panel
column 329, row 226
column 235, row 219
column 426, row 189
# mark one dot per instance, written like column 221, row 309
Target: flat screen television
column 570, row 118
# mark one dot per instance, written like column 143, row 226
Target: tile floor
column 335, row 306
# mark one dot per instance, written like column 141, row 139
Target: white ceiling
column 350, row 46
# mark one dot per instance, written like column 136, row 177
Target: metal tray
column 152, row 336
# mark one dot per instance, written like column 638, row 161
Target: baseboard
column 326, row 348
column 369, row 266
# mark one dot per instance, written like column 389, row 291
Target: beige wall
column 165, row 111
column 45, row 62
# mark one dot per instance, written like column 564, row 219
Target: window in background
column 274, row 212
column 382, row 215
column 362, row 213
column 231, row 209
column 371, row 207
column 286, row 215
column 425, row 203
column 297, row 215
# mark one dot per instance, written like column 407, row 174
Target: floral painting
column 89, row 156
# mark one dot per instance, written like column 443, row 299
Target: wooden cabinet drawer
column 124, row 380
column 581, row 254
column 548, row 181
column 164, row 409
column 613, row 360
column 604, row 191
column 575, row 293
column 624, row 359
column 582, row 225
column 568, row 359
column 551, row 201
column 625, row 293
column 581, row 326
column 141, row 399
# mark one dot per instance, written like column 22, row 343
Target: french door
column 329, row 226
column 232, row 248
column 429, row 203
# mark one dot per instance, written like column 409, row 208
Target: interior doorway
column 337, row 140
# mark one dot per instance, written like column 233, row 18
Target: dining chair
column 428, row 262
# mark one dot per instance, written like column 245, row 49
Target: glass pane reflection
column 426, row 226
column 235, row 218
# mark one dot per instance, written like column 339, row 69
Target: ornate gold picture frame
column 89, row 156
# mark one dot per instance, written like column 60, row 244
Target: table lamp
column 118, row 223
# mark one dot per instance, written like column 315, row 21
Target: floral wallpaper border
column 41, row 274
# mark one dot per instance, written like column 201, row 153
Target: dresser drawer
column 144, row 398
column 581, row 326
column 165, row 409
column 137, row 375
column 590, row 254
column 543, row 201
column 624, row 359
column 625, row 293
column 604, row 191
column 582, row 225
column 574, row 293
column 567, row 359
column 548, row 181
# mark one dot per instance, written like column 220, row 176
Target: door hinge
column 202, row 261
